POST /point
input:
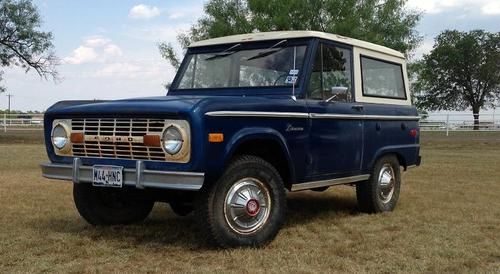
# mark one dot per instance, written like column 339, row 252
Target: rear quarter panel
column 390, row 136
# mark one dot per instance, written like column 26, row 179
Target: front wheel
column 110, row 206
column 246, row 206
column 381, row 192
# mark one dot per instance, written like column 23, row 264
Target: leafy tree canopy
column 387, row 22
column 2, row 89
column 462, row 71
column 22, row 43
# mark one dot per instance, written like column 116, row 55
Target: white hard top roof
column 275, row 35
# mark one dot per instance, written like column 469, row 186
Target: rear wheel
column 246, row 207
column 109, row 206
column 381, row 192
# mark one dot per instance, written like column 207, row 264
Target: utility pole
column 8, row 110
column 10, row 96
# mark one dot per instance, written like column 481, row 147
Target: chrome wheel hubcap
column 247, row 206
column 386, row 182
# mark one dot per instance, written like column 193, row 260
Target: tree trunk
column 475, row 113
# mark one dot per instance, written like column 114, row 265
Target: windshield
column 275, row 66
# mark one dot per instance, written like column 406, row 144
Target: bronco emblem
column 114, row 139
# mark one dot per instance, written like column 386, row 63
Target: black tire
column 372, row 196
column 269, row 207
column 180, row 208
column 109, row 206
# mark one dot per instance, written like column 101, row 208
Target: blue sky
column 109, row 48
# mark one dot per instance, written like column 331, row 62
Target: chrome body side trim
column 271, row 114
column 364, row 117
column 332, row 182
column 139, row 178
column 258, row 114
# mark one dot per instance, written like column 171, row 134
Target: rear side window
column 382, row 79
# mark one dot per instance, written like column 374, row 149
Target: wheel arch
column 266, row 143
column 398, row 151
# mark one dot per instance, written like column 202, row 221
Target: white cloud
column 82, row 55
column 432, row 6
column 113, row 50
column 424, row 48
column 94, row 49
column 96, row 41
column 492, row 8
column 142, row 11
column 438, row 6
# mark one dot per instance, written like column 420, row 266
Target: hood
column 171, row 106
column 149, row 106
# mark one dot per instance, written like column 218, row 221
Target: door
column 336, row 139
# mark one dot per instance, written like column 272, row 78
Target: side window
column 382, row 79
column 331, row 75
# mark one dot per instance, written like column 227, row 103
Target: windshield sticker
column 294, row 72
column 291, row 80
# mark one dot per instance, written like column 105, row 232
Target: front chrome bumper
column 139, row 177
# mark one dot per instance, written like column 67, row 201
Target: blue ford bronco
column 247, row 118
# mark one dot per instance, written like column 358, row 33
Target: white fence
column 459, row 122
column 444, row 122
column 24, row 121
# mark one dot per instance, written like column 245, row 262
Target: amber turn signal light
column 216, row 137
column 152, row 140
column 77, row 138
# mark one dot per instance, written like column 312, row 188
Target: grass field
column 448, row 220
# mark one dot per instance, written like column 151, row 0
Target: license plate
column 107, row 176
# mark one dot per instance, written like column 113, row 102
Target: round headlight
column 59, row 137
column 172, row 140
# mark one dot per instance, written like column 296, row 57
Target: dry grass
column 21, row 136
column 448, row 220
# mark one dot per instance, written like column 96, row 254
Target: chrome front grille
column 118, row 138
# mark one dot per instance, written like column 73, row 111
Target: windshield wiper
column 269, row 51
column 223, row 53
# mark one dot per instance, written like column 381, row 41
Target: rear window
column 382, row 79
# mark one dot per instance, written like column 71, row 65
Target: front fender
column 249, row 134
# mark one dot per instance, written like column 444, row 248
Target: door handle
column 358, row 107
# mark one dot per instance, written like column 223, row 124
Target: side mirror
column 336, row 91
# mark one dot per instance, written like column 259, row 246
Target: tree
column 2, row 89
column 387, row 22
column 462, row 71
column 22, row 43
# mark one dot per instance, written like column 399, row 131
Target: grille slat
column 119, row 127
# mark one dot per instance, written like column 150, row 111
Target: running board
column 332, row 182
